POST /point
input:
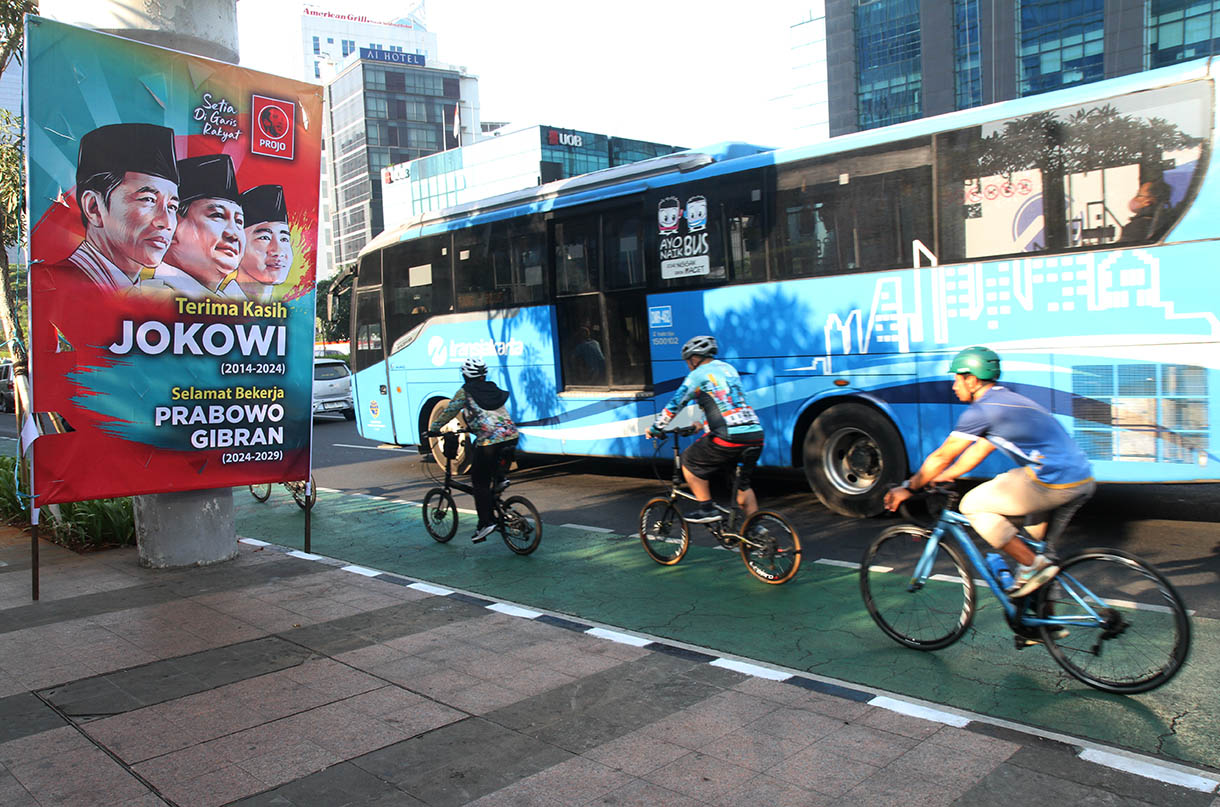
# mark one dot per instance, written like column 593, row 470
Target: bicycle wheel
column 298, row 493
column 440, row 515
column 520, row 524
column 770, row 547
column 929, row 616
column 1127, row 628
column 665, row 536
column 261, row 492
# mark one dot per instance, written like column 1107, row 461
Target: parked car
column 332, row 387
column 8, row 397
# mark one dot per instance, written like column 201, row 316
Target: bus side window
column 1114, row 171
column 807, row 231
column 479, row 259
column 743, row 221
column 528, row 254
column 417, row 284
column 576, row 268
column 368, row 342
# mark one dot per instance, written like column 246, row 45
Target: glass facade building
column 888, row 62
column 1179, row 30
column 1060, row 44
column 509, row 161
column 967, row 54
column 895, row 60
column 381, row 113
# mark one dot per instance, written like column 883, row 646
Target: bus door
column 370, row 387
column 602, row 315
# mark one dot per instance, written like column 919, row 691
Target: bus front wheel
column 853, row 454
column 460, row 463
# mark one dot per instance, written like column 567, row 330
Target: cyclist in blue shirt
column 1052, row 470
column 732, row 427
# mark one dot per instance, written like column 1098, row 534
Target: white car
column 332, row 387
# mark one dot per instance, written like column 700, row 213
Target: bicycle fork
column 923, row 568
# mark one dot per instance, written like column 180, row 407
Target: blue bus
column 1073, row 232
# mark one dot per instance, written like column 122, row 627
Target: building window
column 1178, row 31
column 317, row 70
column 968, row 64
column 317, row 46
column 888, row 62
column 1060, row 44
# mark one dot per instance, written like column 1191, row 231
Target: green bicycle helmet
column 980, row 362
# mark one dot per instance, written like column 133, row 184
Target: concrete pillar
column 203, row 27
column 193, row 528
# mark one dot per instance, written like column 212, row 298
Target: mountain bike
column 261, row 492
column 517, row 519
column 1108, row 618
column 768, row 543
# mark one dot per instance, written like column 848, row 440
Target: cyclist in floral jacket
column 495, row 444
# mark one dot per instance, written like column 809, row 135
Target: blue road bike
column 1108, row 618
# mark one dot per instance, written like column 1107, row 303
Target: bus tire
column 853, row 455
column 462, row 463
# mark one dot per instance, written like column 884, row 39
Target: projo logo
column 442, row 352
column 660, row 316
column 274, row 123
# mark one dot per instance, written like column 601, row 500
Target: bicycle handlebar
column 944, row 493
column 680, row 431
column 435, row 433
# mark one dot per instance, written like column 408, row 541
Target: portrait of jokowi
column 127, row 191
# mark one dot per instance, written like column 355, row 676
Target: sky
column 685, row 73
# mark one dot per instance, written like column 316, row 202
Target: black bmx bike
column 517, row 519
column 769, row 545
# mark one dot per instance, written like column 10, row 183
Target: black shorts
column 705, row 457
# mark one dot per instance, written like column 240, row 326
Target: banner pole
column 34, row 558
column 309, row 494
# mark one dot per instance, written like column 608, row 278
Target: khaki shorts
column 1015, row 494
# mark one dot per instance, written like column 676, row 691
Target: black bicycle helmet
column 700, row 346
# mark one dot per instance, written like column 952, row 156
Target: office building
column 809, row 104
column 328, row 38
column 890, row 61
column 386, row 107
column 332, row 42
column 508, row 161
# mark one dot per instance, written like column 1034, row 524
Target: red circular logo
column 272, row 122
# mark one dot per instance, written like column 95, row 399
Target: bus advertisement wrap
column 173, row 207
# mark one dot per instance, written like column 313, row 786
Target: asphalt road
column 1173, row 526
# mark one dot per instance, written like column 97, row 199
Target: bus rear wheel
column 853, row 455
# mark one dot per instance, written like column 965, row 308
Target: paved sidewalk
column 282, row 680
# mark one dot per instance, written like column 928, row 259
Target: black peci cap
column 264, row 203
column 121, row 147
column 210, row 177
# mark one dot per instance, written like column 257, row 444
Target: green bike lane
column 815, row 623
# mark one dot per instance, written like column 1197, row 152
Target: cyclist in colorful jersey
column 1052, row 471
column 495, row 434
column 732, row 427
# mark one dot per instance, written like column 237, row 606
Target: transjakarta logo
column 442, row 352
column 554, row 137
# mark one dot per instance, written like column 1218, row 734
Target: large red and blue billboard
column 173, row 232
